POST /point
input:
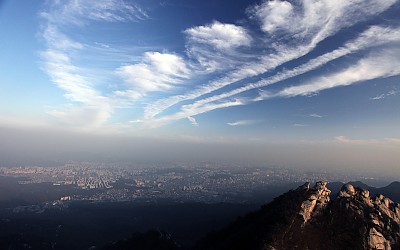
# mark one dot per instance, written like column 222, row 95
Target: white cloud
column 193, row 121
column 319, row 20
column 300, row 125
column 245, row 70
column 78, row 11
column 383, row 96
column 57, row 40
column 129, row 94
column 242, row 122
column 221, row 36
column 88, row 107
column 212, row 45
column 377, row 65
column 314, row 19
column 216, row 46
column 341, row 138
column 136, row 121
column 378, row 97
column 185, row 113
column 372, row 37
column 156, row 72
column 392, row 92
column 315, row 115
column 66, row 76
column 274, row 15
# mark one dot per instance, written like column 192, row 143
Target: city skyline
column 308, row 83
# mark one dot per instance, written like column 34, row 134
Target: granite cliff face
column 306, row 218
column 377, row 218
column 316, row 200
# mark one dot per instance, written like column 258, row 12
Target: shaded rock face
column 306, row 218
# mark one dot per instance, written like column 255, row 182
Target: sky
column 294, row 83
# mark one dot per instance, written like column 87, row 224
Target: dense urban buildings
column 203, row 182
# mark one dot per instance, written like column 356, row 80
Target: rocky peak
column 373, row 221
column 316, row 199
column 377, row 218
column 348, row 190
column 306, row 218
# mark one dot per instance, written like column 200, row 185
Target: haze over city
column 307, row 84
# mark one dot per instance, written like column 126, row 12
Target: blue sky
column 271, row 71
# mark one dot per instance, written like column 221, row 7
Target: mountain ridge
column 392, row 190
column 308, row 218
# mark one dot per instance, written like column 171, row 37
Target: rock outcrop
column 378, row 217
column 316, row 199
column 306, row 218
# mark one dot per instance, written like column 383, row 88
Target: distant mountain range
column 392, row 191
column 303, row 218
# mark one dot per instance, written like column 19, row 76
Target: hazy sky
column 308, row 82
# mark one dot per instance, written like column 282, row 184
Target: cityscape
column 199, row 182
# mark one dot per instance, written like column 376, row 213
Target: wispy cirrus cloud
column 185, row 113
column 88, row 106
column 317, row 18
column 193, row 121
column 242, row 123
column 374, row 36
column 378, row 97
column 391, row 92
column 315, row 115
column 309, row 23
column 57, row 40
column 67, row 77
column 379, row 64
column 239, row 56
column 77, row 12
